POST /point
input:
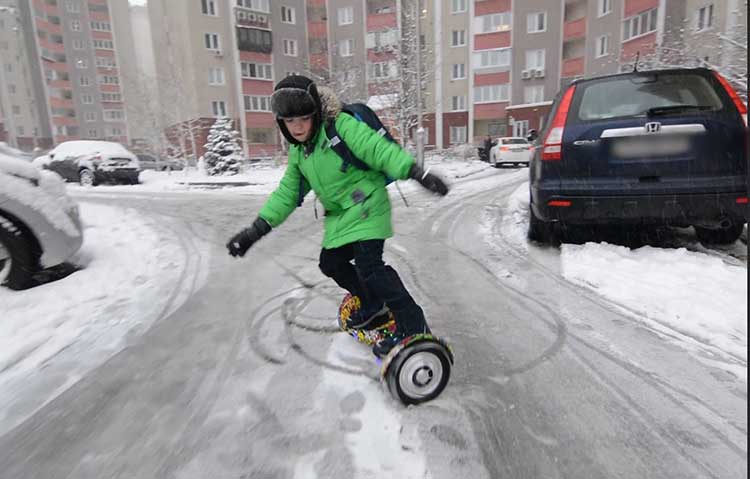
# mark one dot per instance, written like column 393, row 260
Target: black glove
column 242, row 241
column 428, row 180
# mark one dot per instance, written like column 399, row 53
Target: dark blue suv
column 665, row 147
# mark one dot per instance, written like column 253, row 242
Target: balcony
column 574, row 29
column 317, row 29
column 572, row 67
column 380, row 21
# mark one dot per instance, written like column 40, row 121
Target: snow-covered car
column 511, row 150
column 39, row 223
column 92, row 162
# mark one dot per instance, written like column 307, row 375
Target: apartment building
column 72, row 47
column 492, row 67
column 19, row 108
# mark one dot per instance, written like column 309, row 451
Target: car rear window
column 635, row 95
column 515, row 141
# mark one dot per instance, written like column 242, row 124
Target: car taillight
column 504, row 148
column 733, row 95
column 741, row 200
column 552, row 147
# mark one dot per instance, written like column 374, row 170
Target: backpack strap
column 339, row 146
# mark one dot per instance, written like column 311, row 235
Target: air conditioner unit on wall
column 262, row 18
column 251, row 17
column 241, row 15
column 539, row 73
column 526, row 74
column 218, row 53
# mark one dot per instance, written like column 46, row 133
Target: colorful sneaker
column 362, row 318
column 384, row 346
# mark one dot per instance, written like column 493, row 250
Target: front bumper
column 116, row 175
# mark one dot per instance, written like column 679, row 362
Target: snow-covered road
column 164, row 357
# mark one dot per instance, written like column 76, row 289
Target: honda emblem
column 653, row 127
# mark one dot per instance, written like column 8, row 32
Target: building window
column 215, row 76
column 75, row 25
column 290, row 47
column 211, row 41
column 115, row 132
column 82, row 63
column 458, row 38
column 346, row 15
column 492, row 58
column 89, row 116
column 602, row 46
column 258, row 135
column 458, row 135
column 111, row 97
column 208, row 7
column 114, row 115
column 87, row 99
column 536, row 22
column 258, row 5
column 459, row 71
column 219, row 108
column 12, row 89
column 491, row 93
column 73, row 6
column 535, row 59
column 382, row 70
column 346, row 47
column 458, row 6
column 496, row 22
column 254, row 40
column 533, row 94
column 520, row 128
column 382, row 38
column 605, row 7
column 93, row 134
column 16, row 110
column 84, row 81
column 458, row 103
column 20, row 131
column 101, row 26
column 78, row 44
column 288, row 15
column 106, row 62
column 638, row 25
column 257, row 103
column 260, row 71
column 104, row 44
column 704, row 18
column 108, row 80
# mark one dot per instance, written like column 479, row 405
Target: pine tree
column 223, row 150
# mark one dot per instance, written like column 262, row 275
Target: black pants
column 373, row 281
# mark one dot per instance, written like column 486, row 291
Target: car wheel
column 539, row 230
column 493, row 162
column 16, row 257
column 86, row 177
column 719, row 236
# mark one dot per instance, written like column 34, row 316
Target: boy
column 357, row 207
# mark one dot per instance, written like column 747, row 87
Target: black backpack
column 363, row 113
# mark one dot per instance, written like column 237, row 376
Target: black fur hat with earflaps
column 295, row 96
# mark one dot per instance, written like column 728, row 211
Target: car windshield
column 515, row 141
column 646, row 95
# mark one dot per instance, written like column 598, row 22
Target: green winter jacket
column 356, row 202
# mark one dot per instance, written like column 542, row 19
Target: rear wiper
column 673, row 109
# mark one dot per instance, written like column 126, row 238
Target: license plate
column 517, row 150
column 648, row 147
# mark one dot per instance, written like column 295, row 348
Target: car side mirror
column 532, row 135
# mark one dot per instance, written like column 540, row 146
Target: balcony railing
column 572, row 67
column 574, row 29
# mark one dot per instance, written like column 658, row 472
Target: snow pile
column 52, row 204
column 131, row 271
column 698, row 295
column 17, row 167
column 87, row 147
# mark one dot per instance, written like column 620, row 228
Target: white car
column 39, row 223
column 511, row 150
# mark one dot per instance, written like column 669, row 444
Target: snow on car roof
column 86, row 147
column 17, row 167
